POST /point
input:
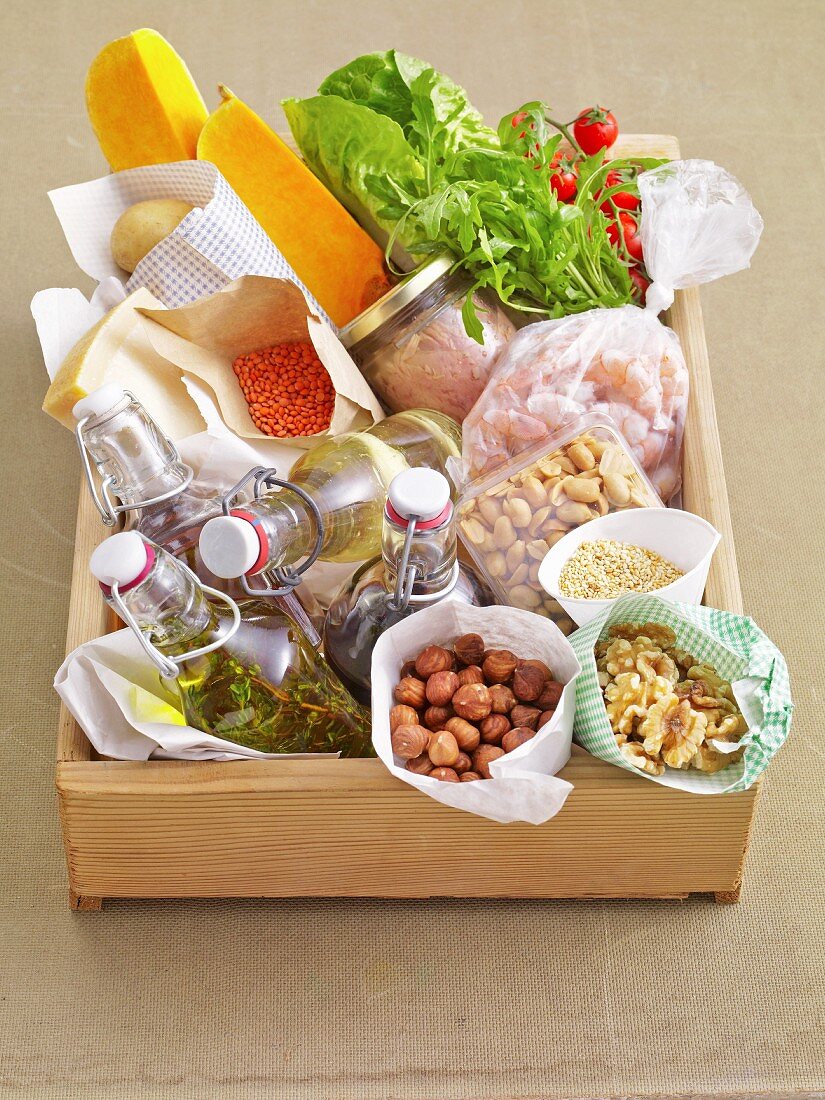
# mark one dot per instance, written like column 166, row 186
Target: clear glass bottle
column 246, row 672
column 346, row 478
column 417, row 568
column 155, row 492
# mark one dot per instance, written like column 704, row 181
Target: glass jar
column 412, row 343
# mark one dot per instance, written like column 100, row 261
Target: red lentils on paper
column 287, row 388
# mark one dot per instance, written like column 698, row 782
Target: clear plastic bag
column 698, row 223
column 622, row 363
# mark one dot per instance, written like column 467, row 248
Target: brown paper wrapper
column 204, row 338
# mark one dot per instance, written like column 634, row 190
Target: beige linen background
column 435, row 999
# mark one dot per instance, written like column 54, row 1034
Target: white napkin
column 127, row 711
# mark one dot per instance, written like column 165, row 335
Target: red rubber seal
column 421, row 524
column 263, row 541
column 106, row 589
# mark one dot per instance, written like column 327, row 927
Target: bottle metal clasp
column 286, row 578
column 167, row 665
column 110, row 510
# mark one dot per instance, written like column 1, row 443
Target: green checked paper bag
column 739, row 652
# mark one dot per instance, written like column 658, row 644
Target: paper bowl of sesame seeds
column 661, row 550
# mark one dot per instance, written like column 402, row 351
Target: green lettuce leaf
column 389, row 84
column 361, row 156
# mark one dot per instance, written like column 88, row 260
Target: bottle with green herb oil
column 245, row 672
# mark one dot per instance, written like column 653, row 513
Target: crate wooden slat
column 348, row 828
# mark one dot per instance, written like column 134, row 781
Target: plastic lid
column 390, row 303
column 122, row 559
column 229, row 546
column 100, row 401
column 422, row 493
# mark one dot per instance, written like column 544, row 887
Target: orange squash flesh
column 143, row 104
column 335, row 258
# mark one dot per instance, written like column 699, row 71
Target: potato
column 142, row 226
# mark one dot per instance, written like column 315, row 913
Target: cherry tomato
column 594, row 129
column 563, row 177
column 630, row 235
column 641, row 284
column 625, row 200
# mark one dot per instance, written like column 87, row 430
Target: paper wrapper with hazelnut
column 633, row 708
column 523, row 785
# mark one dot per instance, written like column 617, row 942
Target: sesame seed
column 605, row 569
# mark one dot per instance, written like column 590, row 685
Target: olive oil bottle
column 245, row 671
column 333, row 502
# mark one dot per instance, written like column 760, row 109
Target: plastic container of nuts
column 509, row 520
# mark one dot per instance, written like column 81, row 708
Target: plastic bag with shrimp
column 698, row 223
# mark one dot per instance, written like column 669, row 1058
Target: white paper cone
column 524, row 786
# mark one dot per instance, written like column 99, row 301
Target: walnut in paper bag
column 204, row 338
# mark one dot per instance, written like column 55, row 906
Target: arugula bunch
column 400, row 145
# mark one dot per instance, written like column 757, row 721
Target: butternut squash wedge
column 143, row 104
column 335, row 258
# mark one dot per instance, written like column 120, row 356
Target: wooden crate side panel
column 254, row 829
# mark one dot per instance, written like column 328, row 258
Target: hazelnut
column 468, row 777
column 441, row 687
column 436, row 718
column 408, row 669
column 550, row 695
column 410, row 692
column 421, row 765
column 525, row 716
column 433, row 659
column 403, row 716
column 443, row 749
column 410, row 741
column 499, row 665
column 528, row 682
column 446, row 775
column 515, row 737
column 465, row 734
column 493, row 728
column 541, row 666
column 463, row 764
column 502, row 698
column 545, row 716
column 482, row 757
column 472, row 674
column 472, row 702
column 469, row 649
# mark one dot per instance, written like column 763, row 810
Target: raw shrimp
column 621, row 362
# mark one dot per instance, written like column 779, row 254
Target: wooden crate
column 348, row 828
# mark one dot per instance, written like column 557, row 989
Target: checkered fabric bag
column 738, row 650
column 215, row 243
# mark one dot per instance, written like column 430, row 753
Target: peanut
column 513, row 525
column 489, row 509
column 582, row 489
column 504, row 533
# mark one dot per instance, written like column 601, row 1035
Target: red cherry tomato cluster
column 592, row 130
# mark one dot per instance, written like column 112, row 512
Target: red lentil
column 287, row 389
